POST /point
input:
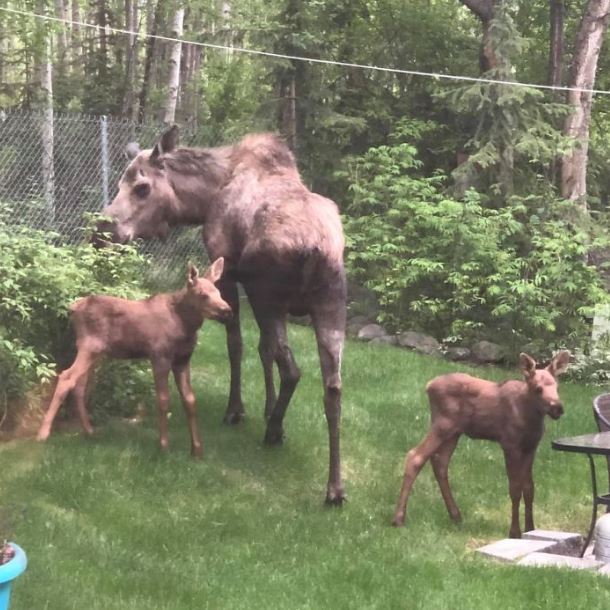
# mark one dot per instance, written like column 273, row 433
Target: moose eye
column 538, row 389
column 142, row 190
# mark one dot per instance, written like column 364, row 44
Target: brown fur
column 162, row 328
column 282, row 242
column 510, row 413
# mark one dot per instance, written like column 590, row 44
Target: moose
column 162, row 328
column 511, row 413
column 280, row 241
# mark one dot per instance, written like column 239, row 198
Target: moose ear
column 559, row 364
column 215, row 271
column 527, row 365
column 166, row 143
column 193, row 275
column 131, row 150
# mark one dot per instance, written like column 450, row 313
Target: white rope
column 312, row 60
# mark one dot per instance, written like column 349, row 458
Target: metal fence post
column 104, row 158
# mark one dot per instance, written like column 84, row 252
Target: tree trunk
column 131, row 22
column 3, row 47
column 191, row 62
column 556, row 48
column 588, row 45
column 61, row 12
column 485, row 10
column 173, row 80
column 76, row 50
column 226, row 26
column 45, row 68
column 287, row 117
column 102, row 21
column 150, row 52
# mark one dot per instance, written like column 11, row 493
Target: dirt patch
column 21, row 418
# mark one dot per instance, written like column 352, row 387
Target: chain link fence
column 54, row 172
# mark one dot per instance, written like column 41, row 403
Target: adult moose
column 282, row 242
column 511, row 413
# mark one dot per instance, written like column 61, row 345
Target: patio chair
column 601, row 412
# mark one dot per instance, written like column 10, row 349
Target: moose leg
column 80, row 398
column 329, row 325
column 266, row 351
column 161, row 373
column 235, row 408
column 68, row 380
column 528, row 492
column 182, row 375
column 516, row 471
column 440, row 465
column 414, row 462
column 273, row 335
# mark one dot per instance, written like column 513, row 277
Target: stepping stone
column 511, row 549
column 544, row 560
column 566, row 542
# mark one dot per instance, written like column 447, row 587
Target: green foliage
column 514, row 128
column 458, row 268
column 40, row 278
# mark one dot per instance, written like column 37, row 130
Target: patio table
column 590, row 445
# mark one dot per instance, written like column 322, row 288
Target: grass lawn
column 112, row 524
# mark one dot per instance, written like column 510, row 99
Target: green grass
column 112, row 524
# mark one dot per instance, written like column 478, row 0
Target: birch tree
column 589, row 40
column 45, row 68
column 173, row 79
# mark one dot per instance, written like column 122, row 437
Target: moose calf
column 511, row 413
column 162, row 328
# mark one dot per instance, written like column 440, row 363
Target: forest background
column 472, row 210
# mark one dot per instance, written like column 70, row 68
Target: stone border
column 545, row 548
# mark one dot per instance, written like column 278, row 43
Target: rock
column 511, row 549
column 355, row 323
column 424, row 344
column 371, row 331
column 458, row 354
column 486, row 351
column 386, row 340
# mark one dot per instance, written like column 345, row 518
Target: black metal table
column 590, row 445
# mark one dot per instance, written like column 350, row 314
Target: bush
column 40, row 278
column 457, row 269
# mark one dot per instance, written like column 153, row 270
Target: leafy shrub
column 40, row 278
column 517, row 274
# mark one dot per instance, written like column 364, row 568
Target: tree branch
column 483, row 9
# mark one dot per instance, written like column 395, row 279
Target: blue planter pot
column 8, row 572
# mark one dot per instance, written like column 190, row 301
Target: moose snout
column 556, row 410
column 224, row 314
column 105, row 233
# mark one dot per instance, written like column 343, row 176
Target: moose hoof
column 197, row 453
column 233, row 418
column 335, row 498
column 274, row 436
column 398, row 521
column 42, row 436
column 516, row 534
column 456, row 517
